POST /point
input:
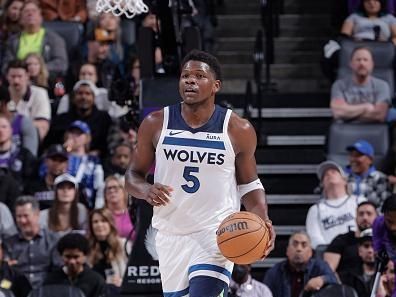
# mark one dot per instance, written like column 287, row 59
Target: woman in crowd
column 37, row 70
column 9, row 22
column 371, row 21
column 116, row 200
column 108, row 256
column 66, row 214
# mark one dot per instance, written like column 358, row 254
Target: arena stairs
column 295, row 117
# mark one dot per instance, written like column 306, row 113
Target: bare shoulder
column 242, row 134
column 151, row 126
column 154, row 118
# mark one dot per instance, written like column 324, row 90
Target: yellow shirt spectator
column 30, row 43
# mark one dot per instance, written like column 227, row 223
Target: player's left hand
column 271, row 243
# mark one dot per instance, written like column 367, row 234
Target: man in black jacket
column 74, row 249
column 362, row 279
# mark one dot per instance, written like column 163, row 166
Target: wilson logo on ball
column 233, row 227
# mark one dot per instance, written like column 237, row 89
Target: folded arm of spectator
column 344, row 111
column 375, row 113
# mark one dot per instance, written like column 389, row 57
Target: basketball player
column 204, row 167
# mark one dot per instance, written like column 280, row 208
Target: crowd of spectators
column 64, row 149
column 65, row 142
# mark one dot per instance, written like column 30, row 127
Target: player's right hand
column 159, row 194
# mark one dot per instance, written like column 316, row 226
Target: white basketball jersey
column 199, row 164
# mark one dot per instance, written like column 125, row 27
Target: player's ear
column 216, row 86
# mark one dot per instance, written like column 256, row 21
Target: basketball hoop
column 129, row 8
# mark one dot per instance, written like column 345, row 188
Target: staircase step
column 288, row 230
column 232, row 7
column 303, row 85
column 285, row 57
column 289, row 217
column 282, row 45
column 303, row 21
column 290, row 112
column 248, row 24
column 292, row 199
column 288, row 140
column 287, row 169
column 278, row 71
column 279, row 100
column 238, row 25
column 306, row 6
column 287, row 184
column 296, row 154
column 312, row 126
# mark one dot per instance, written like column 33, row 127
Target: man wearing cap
column 335, row 213
column 83, row 109
column 70, row 214
column 56, row 163
column 363, row 178
column 106, row 61
column 362, row 279
column 85, row 167
column 342, row 253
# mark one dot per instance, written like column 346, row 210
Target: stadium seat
column 61, row 291
column 383, row 54
column 343, row 134
column 71, row 32
column 334, row 290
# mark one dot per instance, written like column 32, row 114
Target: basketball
column 243, row 237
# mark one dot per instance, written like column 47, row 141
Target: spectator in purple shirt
column 384, row 231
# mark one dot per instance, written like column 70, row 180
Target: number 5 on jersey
column 193, row 183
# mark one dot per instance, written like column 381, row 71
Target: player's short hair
column 389, row 204
column 73, row 241
column 201, row 56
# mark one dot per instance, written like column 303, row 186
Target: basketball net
column 129, row 8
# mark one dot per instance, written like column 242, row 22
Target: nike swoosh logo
column 171, row 133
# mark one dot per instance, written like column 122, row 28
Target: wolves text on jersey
column 210, row 158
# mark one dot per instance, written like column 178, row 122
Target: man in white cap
column 83, row 109
column 335, row 212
